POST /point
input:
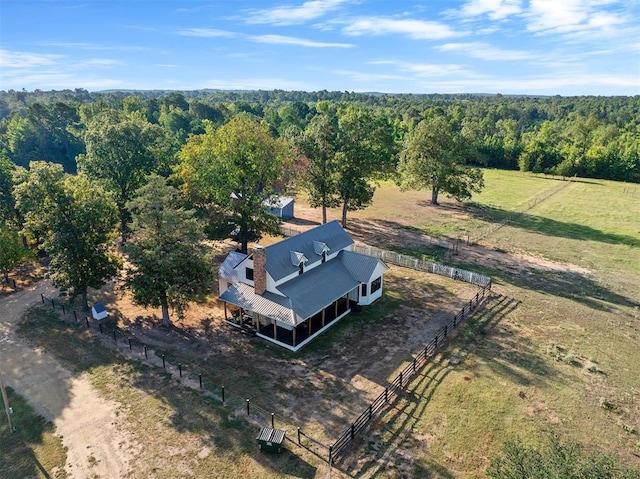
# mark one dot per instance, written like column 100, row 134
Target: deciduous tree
column 433, row 157
column 365, row 153
column 234, row 168
column 121, row 152
column 73, row 221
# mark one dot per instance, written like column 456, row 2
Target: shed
column 280, row 206
column 99, row 311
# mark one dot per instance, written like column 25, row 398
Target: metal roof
column 278, row 254
column 227, row 268
column 359, row 265
column 267, row 304
column 318, row 288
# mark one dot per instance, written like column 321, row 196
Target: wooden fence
column 405, row 376
column 421, row 265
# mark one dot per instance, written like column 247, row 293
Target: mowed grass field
column 556, row 349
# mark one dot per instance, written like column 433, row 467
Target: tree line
column 162, row 172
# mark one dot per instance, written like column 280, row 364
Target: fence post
column 180, row 369
column 164, row 365
column 15, row 287
column 200, row 378
column 248, row 401
column 63, row 311
column 223, row 394
column 400, row 376
column 100, row 326
column 386, row 394
column 75, row 315
column 86, row 318
column 330, row 450
column 414, row 365
column 370, row 412
column 42, row 297
column 53, row 304
column 300, row 442
column 273, row 421
column 129, row 344
column 145, row 353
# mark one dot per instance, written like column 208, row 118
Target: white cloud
column 89, row 46
column 13, row 59
column 416, row 29
column 291, row 15
column 257, row 84
column 366, row 76
column 205, row 32
column 284, row 40
column 484, row 51
column 424, row 69
column 495, row 9
column 567, row 16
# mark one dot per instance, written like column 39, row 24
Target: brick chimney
column 259, row 271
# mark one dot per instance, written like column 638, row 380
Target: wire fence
column 192, row 376
column 405, row 376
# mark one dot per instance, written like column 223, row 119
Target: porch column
column 295, row 328
column 335, row 309
column 309, row 325
column 226, row 317
column 323, row 316
column 275, row 330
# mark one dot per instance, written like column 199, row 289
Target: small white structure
column 99, row 311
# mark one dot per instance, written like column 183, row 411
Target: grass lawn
column 33, row 448
column 555, row 350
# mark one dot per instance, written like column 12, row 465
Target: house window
column 249, row 273
column 363, row 289
column 376, row 284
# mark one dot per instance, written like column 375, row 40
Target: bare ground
column 97, row 443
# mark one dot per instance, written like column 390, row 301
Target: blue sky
column 549, row 47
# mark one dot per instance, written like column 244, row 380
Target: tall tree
column 234, row 168
column 318, row 144
column 7, row 206
column 12, row 251
column 433, row 157
column 365, row 153
column 121, row 152
column 73, row 221
column 169, row 265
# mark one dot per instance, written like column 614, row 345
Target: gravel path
column 87, row 424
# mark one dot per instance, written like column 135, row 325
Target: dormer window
column 321, row 249
column 298, row 259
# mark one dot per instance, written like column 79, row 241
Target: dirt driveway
column 87, row 424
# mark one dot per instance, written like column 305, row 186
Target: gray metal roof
column 227, row 268
column 359, row 265
column 318, row 288
column 278, row 254
column 267, row 304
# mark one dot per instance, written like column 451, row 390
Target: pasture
column 556, row 348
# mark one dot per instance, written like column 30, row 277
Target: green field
column 554, row 351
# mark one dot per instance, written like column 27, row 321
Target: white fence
column 420, row 265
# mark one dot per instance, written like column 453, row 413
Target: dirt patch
column 98, row 444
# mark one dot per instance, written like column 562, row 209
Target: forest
column 163, row 170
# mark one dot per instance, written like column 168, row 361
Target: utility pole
column 8, row 410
